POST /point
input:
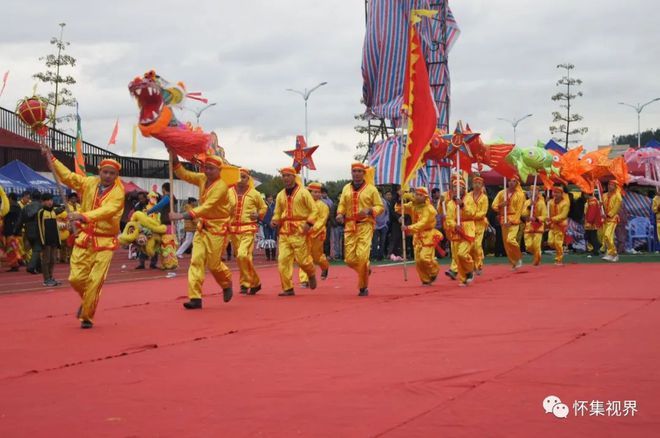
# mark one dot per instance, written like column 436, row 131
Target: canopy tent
column 132, row 187
column 554, row 146
column 17, row 170
column 653, row 143
column 10, row 185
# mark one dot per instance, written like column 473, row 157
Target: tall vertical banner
column 418, row 105
column 113, row 136
column 79, row 161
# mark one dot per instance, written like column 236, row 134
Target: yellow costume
column 97, row 239
column 558, row 222
column 480, row 225
column 293, row 209
column 461, row 236
column 316, row 237
column 511, row 223
column 612, row 205
column 212, row 215
column 656, row 210
column 534, row 229
column 359, row 230
column 425, row 237
column 243, row 230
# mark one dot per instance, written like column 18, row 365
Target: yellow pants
column 533, row 245
column 460, row 254
column 243, row 248
column 89, row 268
column 609, row 229
column 207, row 253
column 477, row 250
column 425, row 263
column 357, row 248
column 556, row 241
column 318, row 257
column 601, row 239
column 293, row 248
column 511, row 245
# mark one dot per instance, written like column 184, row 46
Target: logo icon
column 553, row 405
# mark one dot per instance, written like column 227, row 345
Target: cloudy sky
column 243, row 55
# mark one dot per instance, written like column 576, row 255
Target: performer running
column 558, row 222
column 250, row 207
column 535, row 224
column 295, row 215
column 100, row 212
column 612, row 201
column 425, row 237
column 513, row 198
column 316, row 236
column 461, row 236
column 359, row 204
column 480, row 198
column 213, row 215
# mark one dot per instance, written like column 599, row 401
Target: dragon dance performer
column 656, row 210
column 558, row 222
column 425, row 237
column 100, row 212
column 316, row 236
column 593, row 222
column 213, row 215
column 612, row 201
column 359, row 204
column 250, row 207
column 535, row 225
column 461, row 236
column 480, row 199
column 295, row 215
column 513, row 198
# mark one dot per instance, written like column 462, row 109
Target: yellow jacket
column 102, row 212
column 467, row 226
column 612, row 205
column 318, row 231
column 292, row 212
column 246, row 204
column 558, row 213
column 540, row 213
column 514, row 202
column 423, row 223
column 215, row 205
column 481, row 203
column 4, row 203
column 656, row 207
column 352, row 201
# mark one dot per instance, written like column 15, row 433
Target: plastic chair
column 640, row 228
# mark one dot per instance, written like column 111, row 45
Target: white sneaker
column 607, row 257
column 518, row 264
column 614, row 259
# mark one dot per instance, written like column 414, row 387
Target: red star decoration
column 302, row 155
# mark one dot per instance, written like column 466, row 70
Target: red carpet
column 407, row 361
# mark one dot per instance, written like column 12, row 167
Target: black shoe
column 304, row 284
column 469, row 277
column 139, row 267
column 14, row 269
column 451, row 274
column 363, row 292
column 194, row 303
column 57, row 283
column 153, row 266
column 287, row 293
column 324, row 274
column 254, row 290
column 50, row 283
column 78, row 312
column 31, row 271
column 244, row 290
column 432, row 280
column 86, row 324
column 312, row 282
column 227, row 293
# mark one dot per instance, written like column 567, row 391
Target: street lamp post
column 305, row 95
column 638, row 108
column 514, row 124
column 200, row 111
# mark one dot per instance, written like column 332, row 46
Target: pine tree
column 566, row 119
column 61, row 96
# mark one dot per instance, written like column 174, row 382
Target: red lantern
column 32, row 111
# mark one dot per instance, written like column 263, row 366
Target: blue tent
column 554, row 146
column 11, row 185
column 653, row 143
column 20, row 172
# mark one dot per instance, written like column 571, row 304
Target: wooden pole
column 403, row 212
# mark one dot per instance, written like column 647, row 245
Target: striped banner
column 386, row 157
column 637, row 205
column 384, row 54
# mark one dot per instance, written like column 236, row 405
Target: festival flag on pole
column 134, row 144
column 79, row 162
column 4, row 82
column 113, row 136
column 418, row 104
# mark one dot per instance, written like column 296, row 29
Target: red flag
column 4, row 82
column 418, row 103
column 113, row 136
